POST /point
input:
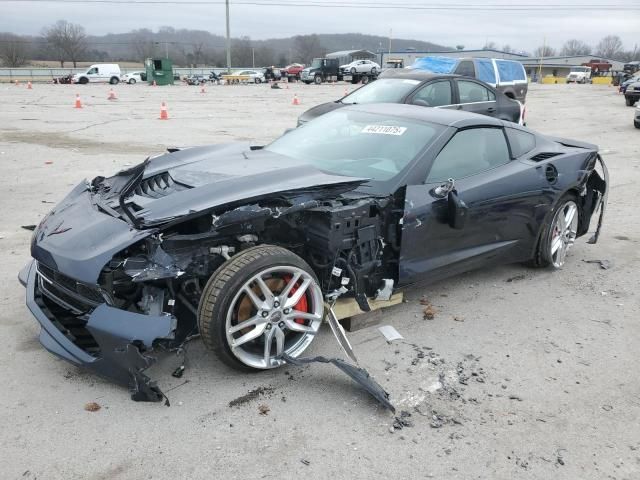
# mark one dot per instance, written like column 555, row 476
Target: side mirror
column 457, row 211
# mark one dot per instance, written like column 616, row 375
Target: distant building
column 561, row 66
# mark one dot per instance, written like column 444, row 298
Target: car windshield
column 357, row 144
column 385, row 90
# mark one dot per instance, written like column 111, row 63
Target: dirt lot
column 521, row 374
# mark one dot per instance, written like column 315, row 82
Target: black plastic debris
column 604, row 264
column 359, row 375
column 178, row 372
column 28, row 227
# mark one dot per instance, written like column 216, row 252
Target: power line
column 357, row 5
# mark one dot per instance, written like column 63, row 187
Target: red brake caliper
column 302, row 305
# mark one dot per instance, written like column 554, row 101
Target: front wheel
column 629, row 101
column 353, row 70
column 263, row 302
column 636, row 124
column 83, row 81
column 257, row 80
column 373, row 70
column 317, row 79
column 132, row 81
column 114, row 80
column 558, row 234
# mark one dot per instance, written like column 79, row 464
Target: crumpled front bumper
column 125, row 339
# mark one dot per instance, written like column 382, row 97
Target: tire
column 83, row 81
column 132, row 81
column 373, row 70
column 225, row 299
column 114, row 80
column 545, row 255
column 636, row 124
column 629, row 101
column 257, row 80
column 307, row 82
column 365, row 79
column 353, row 70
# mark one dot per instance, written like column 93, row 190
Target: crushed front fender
column 125, row 340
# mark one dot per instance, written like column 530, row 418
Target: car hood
column 95, row 221
column 319, row 110
column 197, row 179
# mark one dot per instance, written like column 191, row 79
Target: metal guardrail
column 48, row 74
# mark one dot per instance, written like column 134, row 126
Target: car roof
column 410, row 73
column 440, row 116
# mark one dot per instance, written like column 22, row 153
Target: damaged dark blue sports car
column 246, row 246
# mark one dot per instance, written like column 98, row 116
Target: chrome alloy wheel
column 278, row 310
column 563, row 232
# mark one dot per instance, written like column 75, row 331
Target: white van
column 99, row 73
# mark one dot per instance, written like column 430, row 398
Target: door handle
column 491, row 109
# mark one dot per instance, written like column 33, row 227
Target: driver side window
column 435, row 94
column 470, row 152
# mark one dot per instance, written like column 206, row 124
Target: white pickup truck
column 579, row 75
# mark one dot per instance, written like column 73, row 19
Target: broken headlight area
column 146, row 297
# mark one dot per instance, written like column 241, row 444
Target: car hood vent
column 157, row 186
column 539, row 157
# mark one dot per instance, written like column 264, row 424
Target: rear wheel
column 558, row 234
column 263, row 302
column 630, row 101
column 373, row 70
column 114, row 80
column 636, row 124
column 132, row 81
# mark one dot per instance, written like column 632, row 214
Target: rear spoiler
column 573, row 143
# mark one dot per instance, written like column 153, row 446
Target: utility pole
column 253, row 57
column 544, row 48
column 228, row 40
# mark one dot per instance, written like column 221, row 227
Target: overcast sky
column 520, row 30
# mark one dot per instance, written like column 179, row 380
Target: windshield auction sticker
column 384, row 129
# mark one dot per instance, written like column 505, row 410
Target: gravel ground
column 521, row 373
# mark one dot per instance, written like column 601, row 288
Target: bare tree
column 307, row 47
column 609, row 47
column 242, row 52
column 490, row 46
column 459, row 47
column 544, row 51
column 507, row 49
column 67, row 40
column 13, row 50
column 143, row 44
column 575, row 47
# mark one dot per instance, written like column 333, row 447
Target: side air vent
column 158, row 186
column 539, row 157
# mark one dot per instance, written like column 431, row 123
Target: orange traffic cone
column 164, row 115
column 112, row 95
column 202, row 90
column 346, row 92
column 29, row 87
column 78, row 102
column 153, row 84
column 17, row 83
column 295, row 99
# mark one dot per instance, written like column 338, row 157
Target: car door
column 438, row 93
column 476, row 98
column 503, row 196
